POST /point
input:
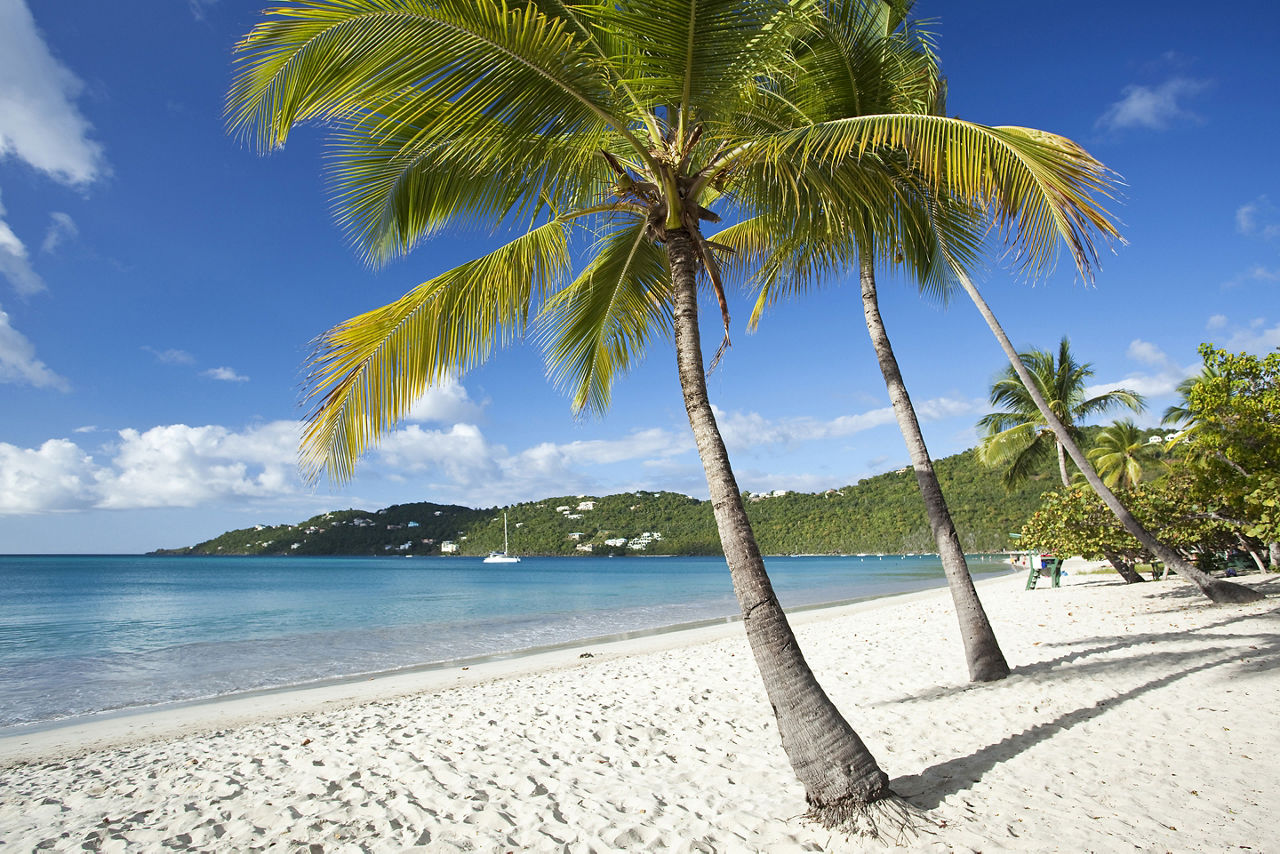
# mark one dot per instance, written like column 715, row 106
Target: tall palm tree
column 1117, row 454
column 884, row 64
column 1018, row 436
column 627, row 120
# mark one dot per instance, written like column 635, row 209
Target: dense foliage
column 1233, row 443
column 1219, row 491
column 881, row 514
column 1075, row 522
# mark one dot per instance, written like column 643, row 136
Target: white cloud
column 15, row 264
column 39, row 122
column 40, row 126
column 171, row 357
column 1147, row 385
column 461, row 453
column 748, row 429
column 1255, row 273
column 18, row 362
column 461, row 462
column 1257, row 339
column 61, row 229
column 948, row 407
column 1152, row 107
column 181, row 466
column 169, row 466
column 446, row 403
column 1258, row 219
column 225, row 374
column 654, row 443
column 1217, row 321
column 1161, row 381
column 1147, row 353
column 55, row 476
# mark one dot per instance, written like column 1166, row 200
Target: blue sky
column 160, row 282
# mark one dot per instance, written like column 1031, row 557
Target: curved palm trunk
column 982, row 651
column 1062, row 462
column 1217, row 591
column 840, row 776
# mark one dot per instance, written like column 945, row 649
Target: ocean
column 87, row 635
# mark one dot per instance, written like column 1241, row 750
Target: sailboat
column 502, row 556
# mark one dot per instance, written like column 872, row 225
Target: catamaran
column 502, row 556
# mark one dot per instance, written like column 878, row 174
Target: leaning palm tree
column 1117, row 454
column 1018, row 436
column 869, row 64
column 625, row 122
column 1221, row 592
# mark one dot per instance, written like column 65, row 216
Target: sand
column 1137, row 718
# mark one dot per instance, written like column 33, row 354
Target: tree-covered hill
column 881, row 514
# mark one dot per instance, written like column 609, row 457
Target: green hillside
column 881, row 514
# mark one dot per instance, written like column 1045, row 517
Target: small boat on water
column 503, row 556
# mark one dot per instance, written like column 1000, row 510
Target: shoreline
column 1136, row 717
column 56, row 739
column 466, row 661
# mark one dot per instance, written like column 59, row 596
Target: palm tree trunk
column 1217, row 591
column 982, row 651
column 1252, row 552
column 1124, row 568
column 841, row 777
column 1274, row 555
column 1062, row 464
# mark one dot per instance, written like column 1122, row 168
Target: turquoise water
column 81, row 635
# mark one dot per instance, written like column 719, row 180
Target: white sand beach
column 1137, row 718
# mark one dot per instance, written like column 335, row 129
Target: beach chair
column 1052, row 569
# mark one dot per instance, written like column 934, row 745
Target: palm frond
column 365, row 373
column 1002, row 446
column 1035, row 188
column 1110, row 400
column 1116, row 455
column 395, row 184
column 598, row 327
column 700, row 58
column 339, row 60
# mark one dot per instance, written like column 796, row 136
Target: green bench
column 1052, row 569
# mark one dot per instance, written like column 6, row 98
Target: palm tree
column 1117, row 454
column 627, row 120
column 1221, row 592
column 1019, row 436
column 882, row 64
column 1180, row 414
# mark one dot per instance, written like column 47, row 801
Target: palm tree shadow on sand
column 1111, row 643
column 1188, row 592
column 928, row 789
